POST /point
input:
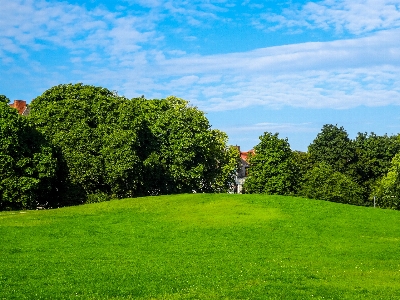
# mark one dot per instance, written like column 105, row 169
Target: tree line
column 361, row 171
column 83, row 144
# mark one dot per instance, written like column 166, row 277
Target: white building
column 241, row 174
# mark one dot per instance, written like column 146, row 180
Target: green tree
column 333, row 147
column 27, row 163
column 110, row 145
column 373, row 158
column 272, row 170
column 301, row 165
column 387, row 190
column 4, row 99
column 187, row 155
column 98, row 155
column 324, row 183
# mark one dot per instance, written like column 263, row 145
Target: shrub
column 323, row 183
column 387, row 190
column 99, row 197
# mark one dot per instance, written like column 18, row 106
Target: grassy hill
column 201, row 246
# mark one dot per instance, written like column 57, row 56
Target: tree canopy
column 387, row 189
column 83, row 143
column 110, row 145
column 272, row 169
column 186, row 155
column 27, row 162
column 333, row 147
column 324, row 183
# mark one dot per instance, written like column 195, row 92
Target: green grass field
column 201, row 246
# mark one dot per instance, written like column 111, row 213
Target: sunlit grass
column 201, row 246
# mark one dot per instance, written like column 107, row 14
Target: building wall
column 241, row 173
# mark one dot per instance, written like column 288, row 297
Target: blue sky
column 252, row 66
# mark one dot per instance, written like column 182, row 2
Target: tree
column 333, row 147
column 301, row 165
column 324, row 183
column 27, row 162
column 387, row 190
column 98, row 155
column 110, row 145
column 187, row 155
column 271, row 168
column 4, row 99
column 373, row 159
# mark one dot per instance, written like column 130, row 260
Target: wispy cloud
column 378, row 49
column 275, row 127
column 39, row 25
column 339, row 74
column 122, row 51
column 353, row 16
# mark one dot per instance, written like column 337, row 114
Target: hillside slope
column 201, row 246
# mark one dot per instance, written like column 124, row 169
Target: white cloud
column 379, row 49
column 275, row 127
column 320, row 89
column 353, row 16
column 120, row 52
column 40, row 24
column 339, row 74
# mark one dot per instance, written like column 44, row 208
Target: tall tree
column 373, row 158
column 272, row 169
column 333, row 147
column 27, row 162
column 187, row 154
column 110, row 145
column 96, row 153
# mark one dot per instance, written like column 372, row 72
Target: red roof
column 20, row 105
column 244, row 155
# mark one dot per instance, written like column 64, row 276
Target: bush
column 387, row 190
column 99, row 197
column 323, row 183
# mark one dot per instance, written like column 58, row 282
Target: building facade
column 21, row 106
column 242, row 171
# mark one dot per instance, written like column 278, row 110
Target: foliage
column 333, row 147
column 186, row 154
column 387, row 190
column 80, row 121
column 272, row 170
column 4, row 99
column 86, row 143
column 373, row 156
column 301, row 165
column 96, row 198
column 324, row 183
column 227, row 166
column 27, row 163
column 202, row 246
column 111, row 145
column 364, row 160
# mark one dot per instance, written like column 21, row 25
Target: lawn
column 201, row 246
